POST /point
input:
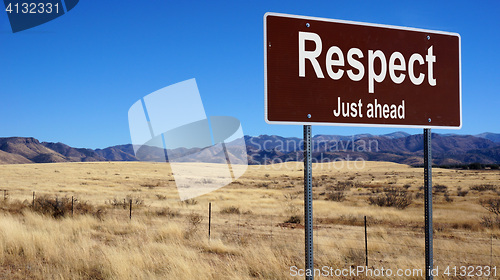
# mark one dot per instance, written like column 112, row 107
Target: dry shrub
column 188, row 202
column 263, row 185
column 230, row 210
column 167, row 212
column 295, row 219
column 483, row 187
column 492, row 205
column 14, row 206
column 337, row 192
column 490, row 221
column 447, row 197
column 125, row 203
column 116, row 203
column 462, row 193
column 343, row 186
column 338, row 196
column 440, row 188
column 100, row 213
column 350, row 220
column 138, row 201
column 49, row 206
column 392, row 197
column 60, row 207
column 355, row 257
column 194, row 220
column 151, row 186
column 161, row 197
column 466, row 225
column 82, row 207
column 290, row 207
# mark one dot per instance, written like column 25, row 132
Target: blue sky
column 73, row 79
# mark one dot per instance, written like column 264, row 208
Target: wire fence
column 383, row 244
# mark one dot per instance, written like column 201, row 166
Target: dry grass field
column 256, row 226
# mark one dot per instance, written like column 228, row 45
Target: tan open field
column 252, row 231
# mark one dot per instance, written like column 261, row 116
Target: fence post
column 209, row 218
column 366, row 245
column 72, row 204
column 33, row 203
column 130, row 214
column 491, row 251
column 239, row 216
column 4, row 194
column 271, row 231
column 317, row 241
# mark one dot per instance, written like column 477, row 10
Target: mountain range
column 399, row 147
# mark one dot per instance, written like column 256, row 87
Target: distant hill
column 28, row 150
column 397, row 134
column 495, row 137
column 399, row 147
column 117, row 153
column 8, row 158
column 74, row 154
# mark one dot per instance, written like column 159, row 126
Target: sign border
column 362, row 24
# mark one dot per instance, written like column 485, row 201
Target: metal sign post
column 428, row 202
column 308, row 209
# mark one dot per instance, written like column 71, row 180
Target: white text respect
column 397, row 66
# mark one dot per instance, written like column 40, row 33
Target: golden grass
column 164, row 241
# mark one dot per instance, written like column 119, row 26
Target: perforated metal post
column 428, row 203
column 308, row 209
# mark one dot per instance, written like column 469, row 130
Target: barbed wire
column 274, row 229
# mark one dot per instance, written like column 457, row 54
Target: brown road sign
column 332, row 72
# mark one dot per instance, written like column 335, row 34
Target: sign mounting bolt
column 308, row 116
column 428, row 37
column 429, row 120
column 307, row 24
